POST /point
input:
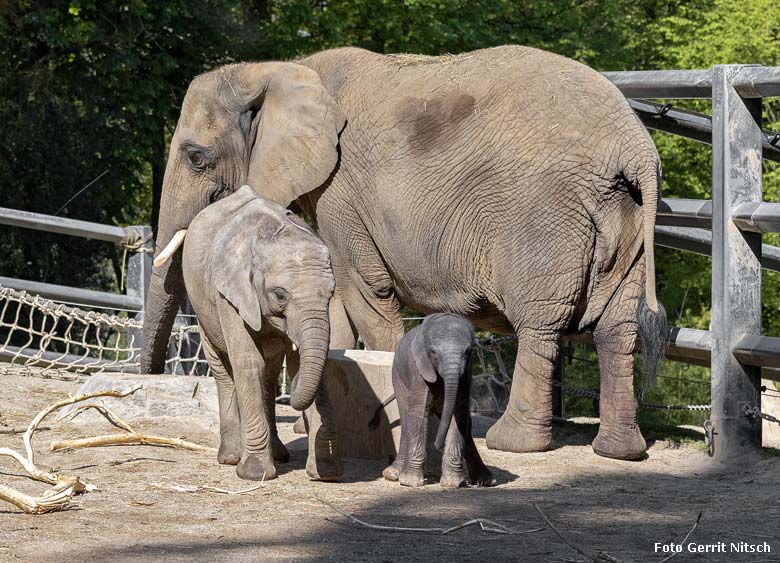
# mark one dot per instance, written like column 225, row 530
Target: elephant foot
column 300, row 426
column 256, row 467
column 279, row 450
column 481, row 477
column 229, row 452
column 392, row 472
column 324, row 464
column 519, row 437
column 620, row 442
column 452, row 479
column 411, row 478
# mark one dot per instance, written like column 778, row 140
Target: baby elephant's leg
column 229, row 452
column 479, row 474
column 460, row 453
column 278, row 449
column 414, row 430
column 452, row 474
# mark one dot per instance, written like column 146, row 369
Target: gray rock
column 178, row 396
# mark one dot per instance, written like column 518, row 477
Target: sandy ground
column 620, row 508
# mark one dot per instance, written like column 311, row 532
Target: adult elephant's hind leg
column 619, row 436
column 526, row 425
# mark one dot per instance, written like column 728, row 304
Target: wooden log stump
column 357, row 382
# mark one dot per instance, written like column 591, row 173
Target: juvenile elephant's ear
column 424, row 365
column 232, row 263
column 292, row 125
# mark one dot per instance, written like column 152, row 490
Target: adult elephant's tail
column 649, row 183
column 651, row 315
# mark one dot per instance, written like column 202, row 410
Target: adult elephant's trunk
column 166, row 293
column 314, row 332
column 451, row 377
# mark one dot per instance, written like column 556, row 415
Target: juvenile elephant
column 432, row 374
column 260, row 282
column 509, row 185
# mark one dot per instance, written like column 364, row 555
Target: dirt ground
column 620, row 508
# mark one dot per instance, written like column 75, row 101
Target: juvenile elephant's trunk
column 451, row 377
column 315, row 334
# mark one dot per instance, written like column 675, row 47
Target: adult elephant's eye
column 197, row 157
column 280, row 297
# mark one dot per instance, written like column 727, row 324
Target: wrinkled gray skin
column 432, row 374
column 260, row 280
column 509, row 185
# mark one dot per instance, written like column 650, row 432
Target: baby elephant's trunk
column 451, row 378
column 315, row 333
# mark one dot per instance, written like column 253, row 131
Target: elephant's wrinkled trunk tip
column 450, row 397
column 169, row 250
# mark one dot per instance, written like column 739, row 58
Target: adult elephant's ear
column 292, row 126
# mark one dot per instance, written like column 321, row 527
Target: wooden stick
column 129, row 439
column 65, row 486
column 491, row 527
column 599, row 558
column 36, row 505
column 685, row 539
column 109, row 415
column 65, row 402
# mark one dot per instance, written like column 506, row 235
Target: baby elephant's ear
column 424, row 365
column 231, row 254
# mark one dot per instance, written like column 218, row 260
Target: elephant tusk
column 172, row 247
column 294, row 347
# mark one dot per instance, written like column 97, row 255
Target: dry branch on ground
column 65, row 486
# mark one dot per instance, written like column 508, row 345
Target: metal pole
column 139, row 274
column 736, row 264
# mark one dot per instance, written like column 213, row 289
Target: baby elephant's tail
column 652, row 332
column 373, row 424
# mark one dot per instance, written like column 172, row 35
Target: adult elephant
column 510, row 185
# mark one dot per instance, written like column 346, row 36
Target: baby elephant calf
column 432, row 373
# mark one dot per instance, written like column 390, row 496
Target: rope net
column 37, row 332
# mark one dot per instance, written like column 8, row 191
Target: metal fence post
column 139, row 273
column 736, row 267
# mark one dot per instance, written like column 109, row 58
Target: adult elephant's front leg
column 615, row 336
column 526, row 425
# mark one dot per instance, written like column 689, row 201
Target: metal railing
column 137, row 240
column 735, row 217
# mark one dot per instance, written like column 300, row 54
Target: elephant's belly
column 481, row 312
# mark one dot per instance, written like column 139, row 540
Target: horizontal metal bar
column 61, row 225
column 689, row 344
column 699, row 241
column 663, row 83
column 693, row 125
column 74, row 294
column 757, row 217
column 685, row 213
column 754, row 350
column 758, row 81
